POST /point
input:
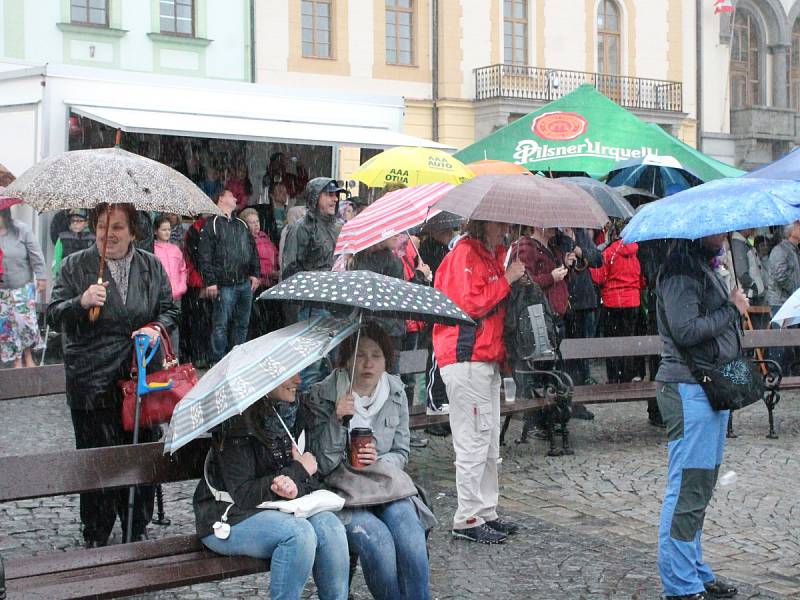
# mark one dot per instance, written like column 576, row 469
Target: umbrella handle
column 94, row 312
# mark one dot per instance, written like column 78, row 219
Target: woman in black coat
column 98, row 354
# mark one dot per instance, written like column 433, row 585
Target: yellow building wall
column 418, row 118
column 456, row 123
column 688, row 132
column 349, row 161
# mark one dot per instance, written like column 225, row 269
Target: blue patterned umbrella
column 720, row 206
column 251, row 370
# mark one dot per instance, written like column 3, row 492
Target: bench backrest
column 73, row 471
column 648, row 345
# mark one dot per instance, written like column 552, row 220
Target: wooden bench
column 121, row 569
column 593, row 348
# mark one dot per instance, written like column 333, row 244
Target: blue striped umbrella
column 249, row 371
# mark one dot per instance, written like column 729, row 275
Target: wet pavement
column 589, row 521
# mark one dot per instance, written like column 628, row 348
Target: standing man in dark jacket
column 309, row 246
column 230, row 268
column 581, row 320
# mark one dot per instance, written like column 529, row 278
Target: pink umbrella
column 394, row 213
column 6, row 201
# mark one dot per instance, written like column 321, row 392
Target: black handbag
column 732, row 386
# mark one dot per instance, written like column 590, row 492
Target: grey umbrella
column 524, row 200
column 86, row 178
column 613, row 202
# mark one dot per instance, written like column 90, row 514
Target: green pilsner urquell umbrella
column 587, row 132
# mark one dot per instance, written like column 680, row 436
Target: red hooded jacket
column 620, row 276
column 472, row 278
column 539, row 264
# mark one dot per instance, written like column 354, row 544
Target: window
column 794, row 68
column 89, row 12
column 609, row 39
column 399, row 32
column 177, row 17
column 515, row 32
column 316, row 28
column 745, row 61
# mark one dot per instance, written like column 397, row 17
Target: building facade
column 200, row 38
column 468, row 67
column 751, row 81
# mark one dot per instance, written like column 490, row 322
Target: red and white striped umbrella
column 394, row 213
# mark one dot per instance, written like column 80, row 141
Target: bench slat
column 33, row 381
column 648, row 345
column 31, row 566
column 137, row 577
column 57, row 473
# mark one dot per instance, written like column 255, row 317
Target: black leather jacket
column 244, row 460
column 97, row 355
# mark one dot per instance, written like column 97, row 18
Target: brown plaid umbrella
column 524, row 200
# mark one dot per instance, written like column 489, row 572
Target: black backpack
column 528, row 318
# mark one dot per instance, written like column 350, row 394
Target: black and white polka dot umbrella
column 374, row 293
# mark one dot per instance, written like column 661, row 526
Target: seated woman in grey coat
column 388, row 538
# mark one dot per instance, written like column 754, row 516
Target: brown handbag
column 157, row 407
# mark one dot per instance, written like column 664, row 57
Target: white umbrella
column 789, row 313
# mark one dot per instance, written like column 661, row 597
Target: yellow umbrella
column 412, row 166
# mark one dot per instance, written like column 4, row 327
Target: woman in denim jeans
column 253, row 460
column 389, row 538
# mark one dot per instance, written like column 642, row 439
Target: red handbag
column 157, row 407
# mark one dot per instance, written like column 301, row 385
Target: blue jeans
column 295, row 547
column 696, row 445
column 230, row 318
column 316, row 371
column 390, row 543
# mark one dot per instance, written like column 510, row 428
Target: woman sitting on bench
column 254, row 461
column 386, row 530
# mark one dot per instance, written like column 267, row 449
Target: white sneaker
column 444, row 409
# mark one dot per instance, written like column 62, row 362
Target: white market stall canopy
column 248, row 127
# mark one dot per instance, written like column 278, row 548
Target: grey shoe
column 483, row 534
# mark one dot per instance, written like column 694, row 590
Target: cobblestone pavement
column 589, row 520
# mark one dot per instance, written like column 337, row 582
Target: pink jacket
column 172, row 259
column 268, row 256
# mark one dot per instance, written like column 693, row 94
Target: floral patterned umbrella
column 86, row 178
column 373, row 293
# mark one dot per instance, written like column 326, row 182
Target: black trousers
column 619, row 322
column 99, row 510
column 580, row 324
column 195, row 328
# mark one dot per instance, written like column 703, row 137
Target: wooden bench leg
column 2, row 579
column 503, row 430
column 731, row 433
column 161, row 518
column 771, row 400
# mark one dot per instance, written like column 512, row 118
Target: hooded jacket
column 310, row 242
column 97, row 355
column 227, row 252
column 539, row 264
column 472, row 277
column 244, row 460
column 694, row 316
column 620, row 276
